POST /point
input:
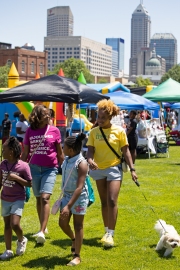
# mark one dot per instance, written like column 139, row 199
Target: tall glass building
column 60, row 21
column 166, row 47
column 117, row 45
column 140, row 35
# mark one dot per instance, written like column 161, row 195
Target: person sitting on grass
column 75, row 199
column 14, row 176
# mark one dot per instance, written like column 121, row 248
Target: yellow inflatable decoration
column 88, row 124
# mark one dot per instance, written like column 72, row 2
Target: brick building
column 27, row 62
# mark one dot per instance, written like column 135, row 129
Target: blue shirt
column 70, row 170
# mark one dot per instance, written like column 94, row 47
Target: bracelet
column 132, row 170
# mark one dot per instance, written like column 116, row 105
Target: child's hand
column 12, row 177
column 65, row 212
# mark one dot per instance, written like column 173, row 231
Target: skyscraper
column 117, row 45
column 140, row 36
column 166, row 47
column 60, row 21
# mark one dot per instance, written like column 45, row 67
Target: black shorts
column 133, row 141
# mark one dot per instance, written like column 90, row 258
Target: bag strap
column 102, row 132
column 39, row 143
column 63, row 188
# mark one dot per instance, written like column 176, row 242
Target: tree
column 4, row 70
column 72, row 68
column 102, row 80
column 143, row 82
column 173, row 73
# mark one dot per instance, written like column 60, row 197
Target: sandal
column 73, row 262
column 72, row 248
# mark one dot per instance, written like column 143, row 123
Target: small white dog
column 169, row 238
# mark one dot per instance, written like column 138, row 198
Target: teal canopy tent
column 167, row 91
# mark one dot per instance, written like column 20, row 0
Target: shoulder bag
column 56, row 205
column 125, row 167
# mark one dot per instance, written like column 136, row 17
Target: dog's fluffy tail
column 160, row 226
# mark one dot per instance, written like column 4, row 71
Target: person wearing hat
column 6, row 127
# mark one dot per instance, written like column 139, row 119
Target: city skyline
column 96, row 20
column 140, row 38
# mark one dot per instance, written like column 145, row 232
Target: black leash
column 138, row 185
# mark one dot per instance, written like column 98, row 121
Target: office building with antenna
column 140, row 40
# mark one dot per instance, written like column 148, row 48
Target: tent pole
column 146, row 134
column 80, row 119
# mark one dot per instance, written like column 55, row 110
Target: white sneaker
column 40, row 238
column 21, row 246
column 6, row 255
column 109, row 241
column 36, row 234
column 104, row 237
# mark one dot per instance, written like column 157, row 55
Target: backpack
column 89, row 189
column 28, row 193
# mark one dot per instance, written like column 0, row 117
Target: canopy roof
column 167, row 91
column 175, row 105
column 52, row 88
column 128, row 101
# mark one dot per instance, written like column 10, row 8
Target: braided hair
column 75, row 142
column 14, row 145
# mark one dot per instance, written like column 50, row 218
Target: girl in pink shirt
column 14, row 176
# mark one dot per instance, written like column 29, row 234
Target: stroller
column 162, row 146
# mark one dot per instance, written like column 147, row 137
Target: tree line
column 73, row 67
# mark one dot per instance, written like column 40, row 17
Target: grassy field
column 135, row 238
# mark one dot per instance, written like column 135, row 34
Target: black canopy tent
column 52, row 88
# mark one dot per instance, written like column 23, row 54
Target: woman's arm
column 19, row 131
column 127, row 156
column 129, row 131
column 60, row 155
column 90, row 157
column 25, row 153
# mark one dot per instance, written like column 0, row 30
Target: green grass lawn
column 135, row 237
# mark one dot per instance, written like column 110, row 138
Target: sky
column 26, row 21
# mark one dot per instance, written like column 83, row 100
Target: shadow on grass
column 66, row 243
column 92, row 242
column 46, row 262
column 63, row 243
column 161, row 253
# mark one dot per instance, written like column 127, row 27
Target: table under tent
column 168, row 91
column 151, row 137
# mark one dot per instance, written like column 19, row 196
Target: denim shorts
column 11, row 208
column 110, row 173
column 79, row 207
column 43, row 179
